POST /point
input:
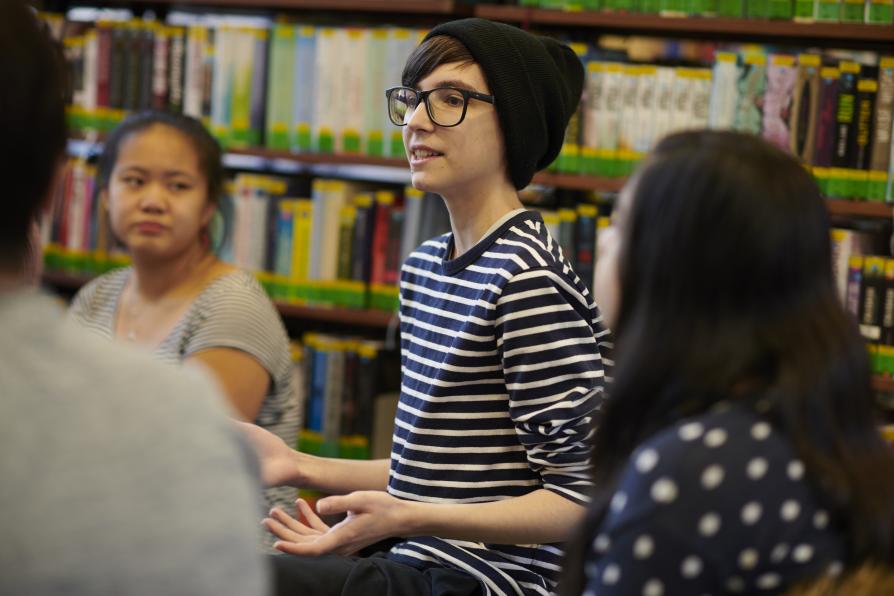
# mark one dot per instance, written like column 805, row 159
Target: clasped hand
column 371, row 516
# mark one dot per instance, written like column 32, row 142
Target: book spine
column 805, row 108
column 160, row 64
column 825, row 129
column 175, row 69
column 781, row 77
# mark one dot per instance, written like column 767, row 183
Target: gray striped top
column 233, row 311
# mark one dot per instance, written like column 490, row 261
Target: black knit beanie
column 536, row 82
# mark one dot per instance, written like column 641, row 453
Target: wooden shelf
column 842, row 207
column 356, row 159
column 288, row 310
column 344, row 316
column 682, row 25
column 859, row 208
column 392, row 6
column 579, row 182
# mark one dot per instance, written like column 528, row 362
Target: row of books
column 304, row 88
column 864, row 276
column 253, row 81
column 340, row 382
column 877, row 12
column 320, row 241
column 837, row 118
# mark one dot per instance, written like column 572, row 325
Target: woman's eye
column 133, row 181
column 454, row 101
column 180, row 186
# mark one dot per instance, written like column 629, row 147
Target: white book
column 609, row 118
column 91, row 66
column 354, row 44
column 595, row 102
column 664, row 99
column 327, row 117
column 724, row 91
column 630, row 80
column 194, row 71
column 644, row 132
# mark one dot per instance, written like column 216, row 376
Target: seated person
column 160, row 175
column 116, row 469
column 738, row 451
column 502, row 350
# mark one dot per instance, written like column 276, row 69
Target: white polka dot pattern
column 718, row 504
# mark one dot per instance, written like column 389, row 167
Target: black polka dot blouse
column 717, row 504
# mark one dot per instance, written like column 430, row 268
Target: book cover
column 258, row 91
column 381, row 231
column 346, row 220
column 160, row 64
column 805, row 108
column 724, row 91
column 328, row 84
column 279, row 97
column 867, row 88
column 145, row 36
column 854, row 283
column 361, row 243
column 176, row 68
column 882, row 126
column 412, row 220
column 352, row 81
column 644, row 134
column 751, row 87
column 826, row 128
column 392, row 255
column 242, row 53
column 781, row 77
column 334, row 388
column 844, row 153
column 871, row 296
column 301, row 238
column 585, row 241
column 303, row 89
column 373, row 93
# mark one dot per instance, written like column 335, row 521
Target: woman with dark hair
column 161, row 176
column 738, row 450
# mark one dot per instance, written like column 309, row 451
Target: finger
column 290, row 522
column 337, row 504
column 310, row 546
column 310, row 516
column 282, row 532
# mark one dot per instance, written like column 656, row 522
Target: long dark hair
column 726, row 289
column 32, row 118
column 206, row 147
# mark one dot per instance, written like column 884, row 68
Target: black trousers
column 335, row 575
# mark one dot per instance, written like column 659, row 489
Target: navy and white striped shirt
column 504, row 363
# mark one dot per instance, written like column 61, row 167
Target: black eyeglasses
column 446, row 106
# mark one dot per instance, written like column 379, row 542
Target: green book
column 279, row 100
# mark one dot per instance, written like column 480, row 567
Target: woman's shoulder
column 235, row 285
column 101, row 291
column 731, row 435
column 729, row 466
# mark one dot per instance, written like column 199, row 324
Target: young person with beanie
column 503, row 350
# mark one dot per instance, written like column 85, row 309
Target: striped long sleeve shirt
column 504, row 360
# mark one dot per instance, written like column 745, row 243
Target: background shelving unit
column 682, row 26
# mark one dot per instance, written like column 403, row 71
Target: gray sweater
column 118, row 474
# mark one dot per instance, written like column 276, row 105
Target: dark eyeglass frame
column 423, row 97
